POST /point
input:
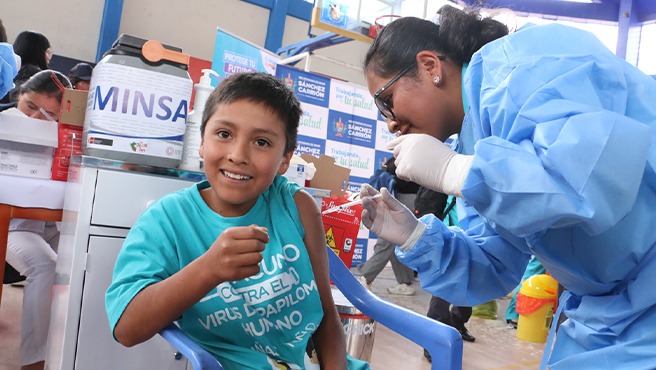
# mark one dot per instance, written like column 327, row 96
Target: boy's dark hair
column 43, row 82
column 261, row 88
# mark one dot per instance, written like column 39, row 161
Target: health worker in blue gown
column 555, row 158
column 8, row 67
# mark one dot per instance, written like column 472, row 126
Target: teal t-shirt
column 255, row 323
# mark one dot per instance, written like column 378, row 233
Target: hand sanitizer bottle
column 191, row 160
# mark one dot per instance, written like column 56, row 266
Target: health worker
column 554, row 158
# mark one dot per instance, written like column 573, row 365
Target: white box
column 26, row 146
column 296, row 173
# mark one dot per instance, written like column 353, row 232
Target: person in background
column 34, row 50
column 9, row 62
column 443, row 207
column 239, row 260
column 80, row 75
column 41, row 98
column 556, row 158
column 405, row 192
column 3, row 32
column 32, row 245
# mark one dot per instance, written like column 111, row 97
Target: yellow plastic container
column 536, row 300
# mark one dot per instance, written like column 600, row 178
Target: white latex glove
column 388, row 218
column 429, row 162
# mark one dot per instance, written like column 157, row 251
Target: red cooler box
column 341, row 227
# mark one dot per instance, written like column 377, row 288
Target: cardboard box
column 329, row 175
column 341, row 228
column 74, row 107
column 26, row 146
column 69, row 135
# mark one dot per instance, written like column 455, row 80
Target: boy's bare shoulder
column 306, row 204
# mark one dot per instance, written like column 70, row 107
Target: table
column 27, row 198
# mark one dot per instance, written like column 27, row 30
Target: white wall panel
column 191, row 24
column 72, row 26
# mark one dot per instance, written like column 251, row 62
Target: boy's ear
column 201, row 150
column 284, row 165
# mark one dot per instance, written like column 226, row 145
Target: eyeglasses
column 382, row 104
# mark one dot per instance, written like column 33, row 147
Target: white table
column 31, row 192
column 27, row 198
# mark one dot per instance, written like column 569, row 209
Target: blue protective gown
column 562, row 135
column 8, row 68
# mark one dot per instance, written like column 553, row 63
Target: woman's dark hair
column 31, row 46
column 459, row 35
column 43, row 83
column 261, row 88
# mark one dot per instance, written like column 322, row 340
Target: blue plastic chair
column 443, row 342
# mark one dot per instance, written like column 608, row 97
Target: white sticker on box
column 134, row 110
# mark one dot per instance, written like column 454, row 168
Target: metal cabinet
column 102, row 202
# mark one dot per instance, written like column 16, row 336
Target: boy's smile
column 243, row 150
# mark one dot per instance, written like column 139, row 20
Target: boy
column 240, row 259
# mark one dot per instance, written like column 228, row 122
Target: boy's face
column 243, row 150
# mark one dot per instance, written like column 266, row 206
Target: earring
column 436, row 80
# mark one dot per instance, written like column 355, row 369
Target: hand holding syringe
column 349, row 204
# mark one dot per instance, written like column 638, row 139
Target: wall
column 74, row 36
column 195, row 33
column 73, row 28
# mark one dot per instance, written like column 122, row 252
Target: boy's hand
column 236, row 253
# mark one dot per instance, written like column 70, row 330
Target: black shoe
column 512, row 323
column 428, row 356
column 465, row 334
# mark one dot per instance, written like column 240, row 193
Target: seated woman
column 32, row 245
column 240, row 259
column 35, row 54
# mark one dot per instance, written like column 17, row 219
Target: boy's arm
column 234, row 255
column 329, row 337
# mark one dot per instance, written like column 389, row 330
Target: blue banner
column 309, row 88
column 234, row 55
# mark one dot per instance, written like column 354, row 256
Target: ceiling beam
column 602, row 11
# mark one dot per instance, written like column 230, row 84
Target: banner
column 341, row 120
column 234, row 55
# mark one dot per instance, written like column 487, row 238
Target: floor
column 496, row 346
